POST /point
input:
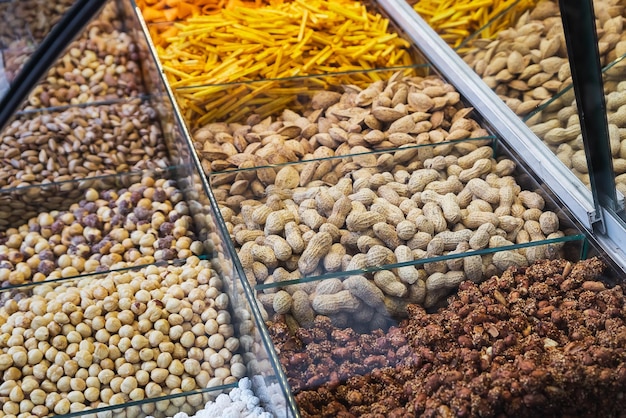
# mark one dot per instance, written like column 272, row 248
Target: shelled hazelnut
column 109, row 339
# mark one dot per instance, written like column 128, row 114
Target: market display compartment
column 219, row 143
column 306, row 189
column 527, row 66
column 79, row 248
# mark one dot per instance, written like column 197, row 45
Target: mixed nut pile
column 544, row 340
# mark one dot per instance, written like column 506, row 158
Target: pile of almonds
column 402, row 112
column 527, row 65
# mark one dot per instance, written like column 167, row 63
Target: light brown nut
column 481, row 189
column 480, row 238
column 333, row 260
column 317, row 248
column 473, row 268
column 432, row 212
column 282, row 249
column 475, row 219
column 301, row 308
column 276, row 221
column 282, row 302
column 380, row 256
column 329, row 286
column 294, row 237
column 387, row 234
column 421, row 178
column 312, row 219
column 549, row 222
column 328, row 304
column 365, row 289
column 480, row 168
column 264, row 255
column 389, row 284
column 505, row 259
column 449, row 280
column 451, row 239
column 360, row 221
column 406, row 230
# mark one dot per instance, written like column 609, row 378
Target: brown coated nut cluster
column 536, row 341
column 148, row 221
column 124, row 336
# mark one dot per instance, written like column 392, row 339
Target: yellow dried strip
column 302, row 30
column 454, row 21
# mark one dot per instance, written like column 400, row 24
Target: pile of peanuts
column 124, row 336
column 527, row 64
column 440, row 194
column 110, row 229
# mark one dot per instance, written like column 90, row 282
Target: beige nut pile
column 561, row 132
column 101, row 64
column 401, row 112
column 526, row 65
column 124, row 336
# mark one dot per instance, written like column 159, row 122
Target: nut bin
column 129, row 335
column 319, row 116
column 57, row 146
column 352, row 216
column 529, row 342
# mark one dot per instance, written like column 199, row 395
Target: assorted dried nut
column 76, row 143
column 401, row 112
column 28, row 18
column 527, row 64
column 101, row 64
column 144, row 223
column 360, row 217
column 81, row 142
column 535, row 341
column 125, row 336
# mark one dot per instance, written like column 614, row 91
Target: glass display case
column 356, row 225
